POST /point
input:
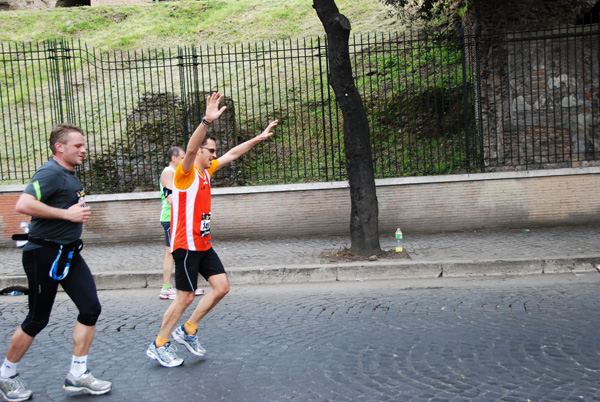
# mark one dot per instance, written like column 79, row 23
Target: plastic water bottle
column 399, row 248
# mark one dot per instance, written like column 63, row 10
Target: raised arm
column 213, row 112
column 237, row 151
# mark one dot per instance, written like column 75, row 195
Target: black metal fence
column 475, row 101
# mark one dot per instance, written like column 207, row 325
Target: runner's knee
column 185, row 297
column 34, row 325
column 90, row 315
column 220, row 288
column 225, row 290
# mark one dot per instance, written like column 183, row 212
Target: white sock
column 78, row 365
column 8, row 369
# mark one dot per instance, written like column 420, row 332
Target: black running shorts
column 189, row 263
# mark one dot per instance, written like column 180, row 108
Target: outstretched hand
column 267, row 133
column 244, row 147
column 212, row 107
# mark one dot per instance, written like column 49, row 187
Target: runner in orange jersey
column 191, row 244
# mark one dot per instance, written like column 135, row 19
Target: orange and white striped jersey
column 190, row 215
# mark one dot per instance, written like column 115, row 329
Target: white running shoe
column 165, row 355
column 199, row 292
column 169, row 293
column 190, row 341
column 13, row 389
column 86, row 383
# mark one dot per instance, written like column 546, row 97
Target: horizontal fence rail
column 477, row 100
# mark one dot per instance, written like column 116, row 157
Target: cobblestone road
column 513, row 339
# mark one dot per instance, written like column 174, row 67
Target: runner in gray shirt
column 55, row 201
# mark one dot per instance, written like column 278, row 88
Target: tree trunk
column 364, row 215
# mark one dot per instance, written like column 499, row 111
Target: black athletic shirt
column 57, row 187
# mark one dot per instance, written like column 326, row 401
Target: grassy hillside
column 124, row 109
column 186, row 22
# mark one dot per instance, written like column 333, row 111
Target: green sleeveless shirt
column 165, row 211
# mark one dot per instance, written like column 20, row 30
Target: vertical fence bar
column 478, row 85
column 24, row 145
column 465, row 98
column 575, row 145
column 277, row 114
column 329, row 165
column 594, row 128
column 5, row 94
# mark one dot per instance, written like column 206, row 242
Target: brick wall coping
column 343, row 184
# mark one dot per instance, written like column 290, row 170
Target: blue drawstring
column 54, row 269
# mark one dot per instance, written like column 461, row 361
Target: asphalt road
column 533, row 338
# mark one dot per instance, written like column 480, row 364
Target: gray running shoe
column 86, row 383
column 13, row 389
column 190, row 341
column 165, row 355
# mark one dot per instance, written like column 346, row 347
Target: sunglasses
column 211, row 150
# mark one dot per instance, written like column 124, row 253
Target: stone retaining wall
column 417, row 204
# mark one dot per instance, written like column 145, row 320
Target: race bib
column 205, row 225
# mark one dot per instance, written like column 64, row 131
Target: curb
column 357, row 271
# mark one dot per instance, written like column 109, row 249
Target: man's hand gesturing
column 212, row 107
